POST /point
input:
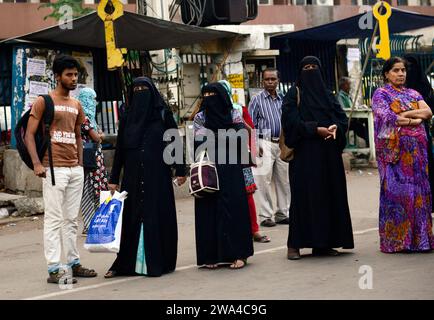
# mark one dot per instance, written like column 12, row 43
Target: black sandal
column 211, row 266
column 110, row 274
column 325, row 252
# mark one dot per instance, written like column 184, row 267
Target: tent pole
column 429, row 68
column 123, row 85
column 167, row 76
column 336, row 73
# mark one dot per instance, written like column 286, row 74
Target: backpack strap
column 48, row 120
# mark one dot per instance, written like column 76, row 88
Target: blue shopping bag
column 104, row 234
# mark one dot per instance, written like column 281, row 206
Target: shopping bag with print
column 104, row 234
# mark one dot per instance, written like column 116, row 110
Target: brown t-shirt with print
column 68, row 114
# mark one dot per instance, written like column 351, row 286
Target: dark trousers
column 360, row 128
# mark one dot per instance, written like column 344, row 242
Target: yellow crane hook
column 114, row 10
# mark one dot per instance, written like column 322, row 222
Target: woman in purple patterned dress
column 405, row 197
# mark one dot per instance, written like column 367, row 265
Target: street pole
column 165, row 56
column 162, row 9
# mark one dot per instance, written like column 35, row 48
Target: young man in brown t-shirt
column 62, row 201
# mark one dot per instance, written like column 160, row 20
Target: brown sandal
column 261, row 239
column 60, row 277
column 79, row 271
column 236, row 265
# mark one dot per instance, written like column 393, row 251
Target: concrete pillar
column 158, row 9
column 18, row 177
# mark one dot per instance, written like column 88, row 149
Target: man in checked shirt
column 265, row 111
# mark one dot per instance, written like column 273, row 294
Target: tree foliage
column 76, row 6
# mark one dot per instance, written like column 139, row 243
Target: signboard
column 236, row 81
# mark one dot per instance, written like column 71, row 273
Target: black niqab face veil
column 315, row 104
column 146, row 105
column 217, row 107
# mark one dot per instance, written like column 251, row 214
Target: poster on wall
column 36, row 67
column 85, row 74
column 37, row 88
column 354, row 70
column 233, row 70
column 40, row 79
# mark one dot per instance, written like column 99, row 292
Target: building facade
column 309, row 13
column 19, row 17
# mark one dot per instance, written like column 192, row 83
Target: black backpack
column 42, row 136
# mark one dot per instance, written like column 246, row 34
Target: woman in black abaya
column 417, row 80
column 316, row 127
column 149, row 228
column 223, row 233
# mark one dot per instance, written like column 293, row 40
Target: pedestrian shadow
column 342, row 254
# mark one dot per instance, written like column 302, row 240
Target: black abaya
column 150, row 202
column 222, row 219
column 319, row 213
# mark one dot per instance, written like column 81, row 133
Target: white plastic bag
column 4, row 213
column 104, row 234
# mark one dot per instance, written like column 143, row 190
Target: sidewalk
column 268, row 275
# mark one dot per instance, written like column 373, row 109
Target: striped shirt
column 266, row 113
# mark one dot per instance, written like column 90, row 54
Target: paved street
column 268, row 275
